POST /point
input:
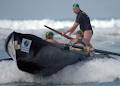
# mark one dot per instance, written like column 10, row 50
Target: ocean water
column 97, row 72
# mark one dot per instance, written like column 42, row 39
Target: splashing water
column 106, row 36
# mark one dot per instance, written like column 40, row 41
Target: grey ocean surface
column 116, row 83
column 98, row 72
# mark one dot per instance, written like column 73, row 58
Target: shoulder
column 81, row 14
column 84, row 14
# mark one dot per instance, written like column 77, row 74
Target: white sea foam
column 97, row 70
column 101, row 26
column 10, row 73
column 36, row 24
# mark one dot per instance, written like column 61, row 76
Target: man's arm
column 72, row 29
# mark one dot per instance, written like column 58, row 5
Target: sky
column 58, row 9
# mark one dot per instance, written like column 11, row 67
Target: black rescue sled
column 37, row 56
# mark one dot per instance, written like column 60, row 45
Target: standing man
column 83, row 20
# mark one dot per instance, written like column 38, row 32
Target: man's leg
column 87, row 37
